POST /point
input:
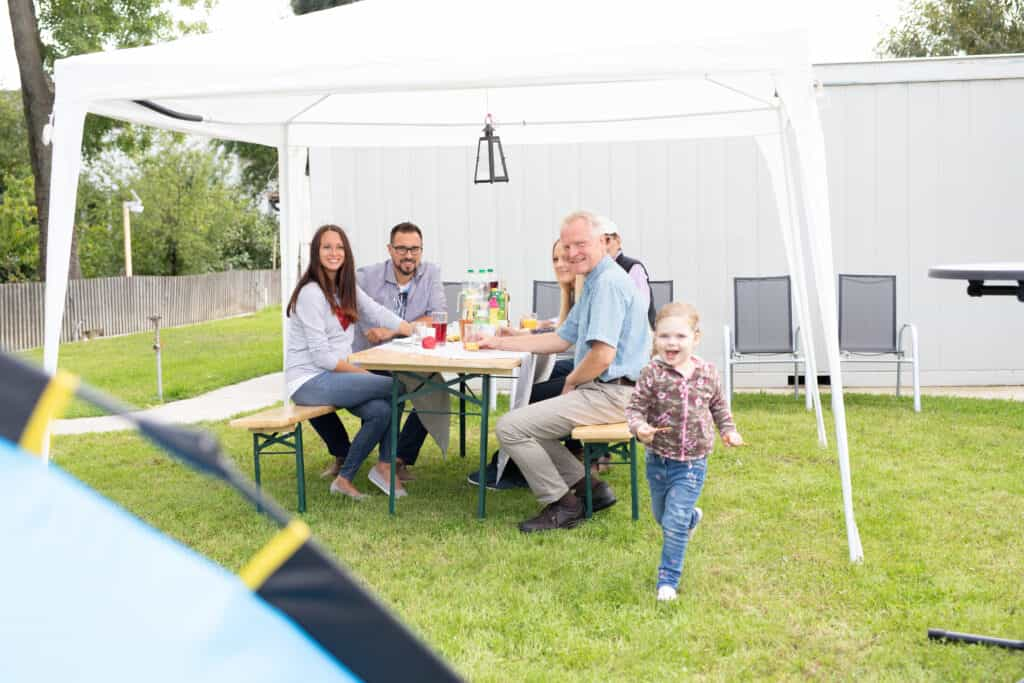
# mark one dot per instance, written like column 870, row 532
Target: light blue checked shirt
column 610, row 311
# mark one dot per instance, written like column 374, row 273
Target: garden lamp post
column 128, row 208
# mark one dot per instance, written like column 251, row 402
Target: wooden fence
column 122, row 305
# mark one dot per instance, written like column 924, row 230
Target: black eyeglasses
column 405, row 251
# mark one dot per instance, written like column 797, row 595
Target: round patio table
column 977, row 274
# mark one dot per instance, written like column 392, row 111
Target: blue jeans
column 675, row 487
column 412, row 435
column 366, row 396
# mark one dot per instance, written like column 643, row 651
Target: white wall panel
column 920, row 173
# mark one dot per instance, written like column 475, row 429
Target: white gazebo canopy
column 403, row 73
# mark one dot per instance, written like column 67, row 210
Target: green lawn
column 196, row 359
column 768, row 590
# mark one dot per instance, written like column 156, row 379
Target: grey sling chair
column 662, row 293
column 547, row 303
column 867, row 327
column 451, row 295
column 764, row 332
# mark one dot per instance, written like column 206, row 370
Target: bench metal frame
column 292, row 441
column 626, row 452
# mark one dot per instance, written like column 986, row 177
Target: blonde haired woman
column 569, row 284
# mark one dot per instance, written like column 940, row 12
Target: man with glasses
column 413, row 290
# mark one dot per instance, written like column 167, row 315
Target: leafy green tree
column 19, row 246
column 196, row 220
column 942, row 28
column 14, row 159
column 19, row 253
column 67, row 27
column 258, row 164
column 99, row 228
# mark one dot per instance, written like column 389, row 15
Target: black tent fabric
column 291, row 573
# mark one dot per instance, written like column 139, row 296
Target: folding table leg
column 462, row 415
column 395, row 417
column 485, row 404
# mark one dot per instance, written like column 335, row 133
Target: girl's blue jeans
column 675, row 487
column 366, row 396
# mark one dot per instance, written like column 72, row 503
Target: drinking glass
column 440, row 319
column 528, row 321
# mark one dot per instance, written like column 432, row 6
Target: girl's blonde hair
column 676, row 310
column 679, row 310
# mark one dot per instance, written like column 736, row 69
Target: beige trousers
column 531, row 436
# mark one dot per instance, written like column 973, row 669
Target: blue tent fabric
column 90, row 593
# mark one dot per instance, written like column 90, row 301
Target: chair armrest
column 913, row 340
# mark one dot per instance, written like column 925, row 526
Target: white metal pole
column 126, row 211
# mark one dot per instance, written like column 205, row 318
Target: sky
column 841, row 30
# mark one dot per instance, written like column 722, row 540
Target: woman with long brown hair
column 322, row 313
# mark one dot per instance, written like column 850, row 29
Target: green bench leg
column 300, row 471
column 634, row 494
column 592, row 452
column 292, row 441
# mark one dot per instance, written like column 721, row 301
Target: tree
column 75, row 27
column 942, row 28
column 196, row 220
column 14, row 159
column 19, row 255
column 19, row 251
column 258, row 163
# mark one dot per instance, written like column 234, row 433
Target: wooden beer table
column 405, row 359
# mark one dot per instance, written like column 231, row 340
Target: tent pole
column 68, row 123
column 772, row 150
column 803, row 301
column 284, row 245
column 809, row 147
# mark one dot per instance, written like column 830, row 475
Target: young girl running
column 671, row 411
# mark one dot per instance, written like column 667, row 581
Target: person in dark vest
column 636, row 270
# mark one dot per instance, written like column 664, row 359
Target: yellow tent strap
column 51, row 404
column 274, row 554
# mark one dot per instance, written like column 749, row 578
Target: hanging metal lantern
column 490, row 157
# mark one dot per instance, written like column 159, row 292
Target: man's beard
column 407, row 267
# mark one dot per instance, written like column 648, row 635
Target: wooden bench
column 281, row 426
column 611, row 440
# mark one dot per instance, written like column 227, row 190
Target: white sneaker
column 378, row 480
column 666, row 593
column 698, row 515
column 337, row 490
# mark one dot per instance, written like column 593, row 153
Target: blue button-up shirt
column 425, row 294
column 610, row 311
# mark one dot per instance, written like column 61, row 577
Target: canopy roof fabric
column 410, row 73
column 405, row 72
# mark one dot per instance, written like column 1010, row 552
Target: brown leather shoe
column 332, row 471
column 403, row 472
column 557, row 515
column 602, row 495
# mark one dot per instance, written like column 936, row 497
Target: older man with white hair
column 606, row 326
column 636, row 270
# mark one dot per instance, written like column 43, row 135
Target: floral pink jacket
column 664, row 398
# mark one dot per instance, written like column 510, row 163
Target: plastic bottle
column 493, row 309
